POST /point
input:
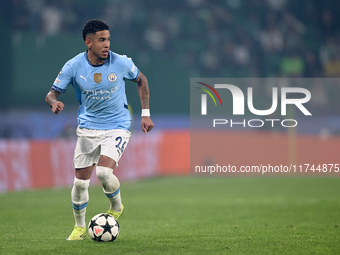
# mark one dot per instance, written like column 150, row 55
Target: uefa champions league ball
column 103, row 228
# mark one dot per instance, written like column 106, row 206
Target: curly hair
column 93, row 26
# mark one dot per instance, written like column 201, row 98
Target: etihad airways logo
column 100, row 94
column 238, row 104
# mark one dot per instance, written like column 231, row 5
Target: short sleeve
column 63, row 79
column 132, row 72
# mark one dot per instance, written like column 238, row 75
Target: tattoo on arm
column 51, row 97
column 143, row 90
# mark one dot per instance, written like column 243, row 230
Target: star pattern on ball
column 108, row 225
column 93, row 224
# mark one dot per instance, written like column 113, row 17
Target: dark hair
column 93, row 26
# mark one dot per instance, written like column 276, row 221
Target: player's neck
column 93, row 59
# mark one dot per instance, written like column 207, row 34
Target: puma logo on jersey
column 83, row 77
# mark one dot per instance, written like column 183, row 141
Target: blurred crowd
column 204, row 38
column 210, row 38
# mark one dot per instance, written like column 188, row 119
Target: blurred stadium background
column 170, row 41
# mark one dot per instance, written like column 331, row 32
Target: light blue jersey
column 100, row 90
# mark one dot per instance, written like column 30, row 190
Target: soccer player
column 98, row 78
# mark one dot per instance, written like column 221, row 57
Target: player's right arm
column 52, row 100
column 59, row 86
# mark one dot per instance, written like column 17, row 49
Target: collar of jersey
column 88, row 61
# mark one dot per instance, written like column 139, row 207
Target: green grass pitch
column 182, row 215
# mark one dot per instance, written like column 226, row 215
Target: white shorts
column 92, row 143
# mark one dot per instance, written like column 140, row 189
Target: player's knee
column 103, row 173
column 81, row 184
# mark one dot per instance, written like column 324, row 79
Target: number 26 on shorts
column 120, row 145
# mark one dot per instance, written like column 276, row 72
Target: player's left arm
column 143, row 91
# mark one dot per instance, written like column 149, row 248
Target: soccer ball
column 103, row 228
